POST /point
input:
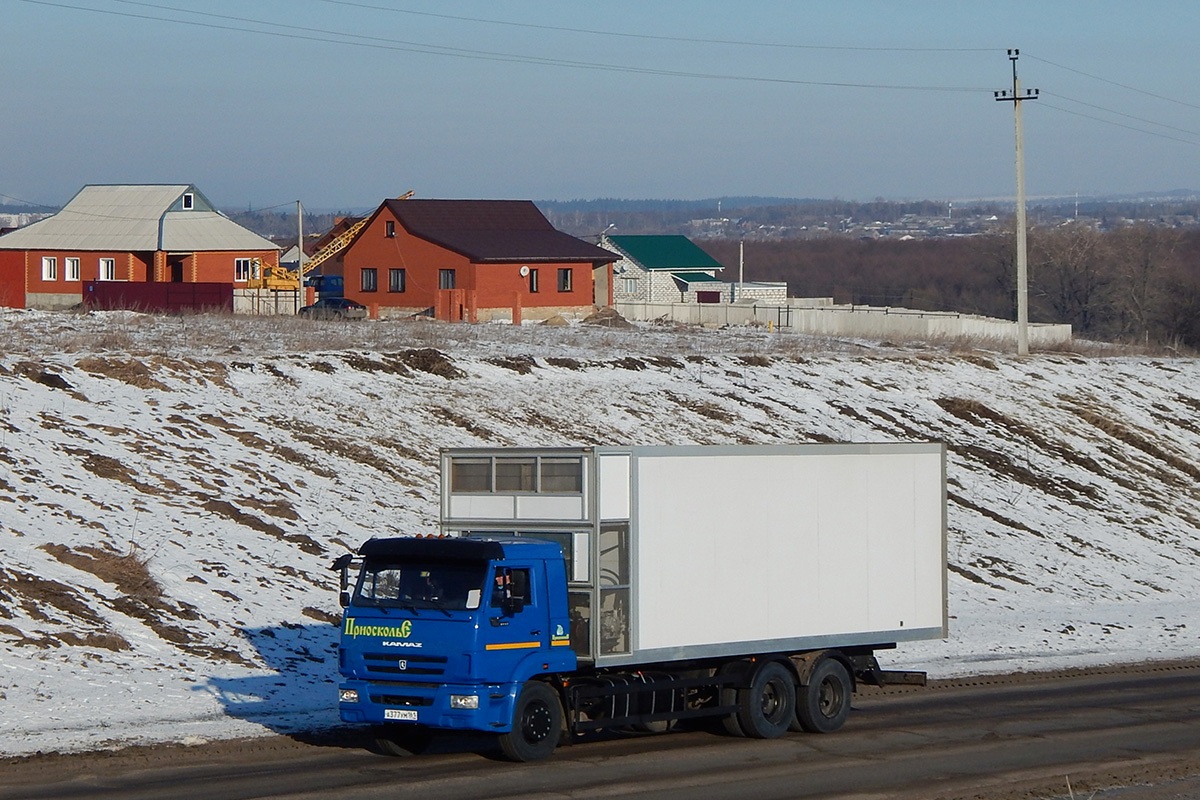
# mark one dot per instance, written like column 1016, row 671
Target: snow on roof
column 136, row 218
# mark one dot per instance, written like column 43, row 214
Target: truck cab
column 443, row 633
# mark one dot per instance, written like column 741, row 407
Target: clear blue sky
column 551, row 99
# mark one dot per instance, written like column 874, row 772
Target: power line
column 1115, row 83
column 27, row 202
column 658, row 38
column 1123, row 114
column 380, row 43
column 1120, row 125
column 326, row 36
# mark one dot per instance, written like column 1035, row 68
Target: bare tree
column 1143, row 257
column 1072, row 272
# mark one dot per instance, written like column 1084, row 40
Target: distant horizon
column 1178, row 195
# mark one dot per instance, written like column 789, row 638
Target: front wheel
column 823, row 705
column 537, row 724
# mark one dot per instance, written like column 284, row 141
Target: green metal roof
column 695, row 277
column 665, row 252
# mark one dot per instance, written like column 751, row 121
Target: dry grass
column 1139, row 440
column 130, row 371
column 129, row 573
column 229, row 511
column 124, row 338
column 141, row 598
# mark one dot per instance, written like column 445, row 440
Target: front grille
column 394, row 664
column 400, row 700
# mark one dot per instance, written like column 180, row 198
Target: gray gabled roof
column 136, row 218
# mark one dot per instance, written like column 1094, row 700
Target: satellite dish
column 524, row 271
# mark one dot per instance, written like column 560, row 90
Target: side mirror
column 342, row 565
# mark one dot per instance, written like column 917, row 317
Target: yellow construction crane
column 284, row 279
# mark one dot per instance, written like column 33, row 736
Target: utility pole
column 299, row 256
column 1022, row 258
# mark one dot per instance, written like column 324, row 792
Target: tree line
column 1138, row 283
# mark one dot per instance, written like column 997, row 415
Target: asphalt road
column 1131, row 733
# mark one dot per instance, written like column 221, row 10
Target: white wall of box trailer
column 744, row 549
column 795, row 547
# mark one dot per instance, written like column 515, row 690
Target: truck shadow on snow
column 295, row 691
column 294, row 694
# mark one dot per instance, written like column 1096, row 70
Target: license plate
column 399, row 713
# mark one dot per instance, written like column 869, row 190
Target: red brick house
column 473, row 260
column 141, row 233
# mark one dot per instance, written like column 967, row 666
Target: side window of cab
column 510, row 582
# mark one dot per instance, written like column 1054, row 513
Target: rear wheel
column 537, row 724
column 766, row 707
column 823, row 705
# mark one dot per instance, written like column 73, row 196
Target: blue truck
column 570, row 590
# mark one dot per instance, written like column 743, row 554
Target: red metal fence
column 170, row 297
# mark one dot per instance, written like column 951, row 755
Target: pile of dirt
column 607, row 318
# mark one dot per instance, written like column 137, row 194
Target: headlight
column 464, row 701
column 348, row 695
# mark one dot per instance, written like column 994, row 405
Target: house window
column 243, row 269
column 629, row 285
column 389, row 229
column 370, row 279
column 108, row 269
column 533, row 281
column 446, row 279
column 564, row 280
column 396, row 280
column 72, row 266
column 49, row 268
column 189, row 201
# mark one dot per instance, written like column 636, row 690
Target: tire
column 767, row 706
column 823, row 705
column 401, row 741
column 537, row 724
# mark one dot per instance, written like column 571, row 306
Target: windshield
column 447, row 585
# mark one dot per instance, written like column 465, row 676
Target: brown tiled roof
column 494, row 230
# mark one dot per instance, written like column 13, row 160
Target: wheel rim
column 536, row 723
column 829, row 701
column 771, row 699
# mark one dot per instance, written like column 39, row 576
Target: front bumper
column 429, row 705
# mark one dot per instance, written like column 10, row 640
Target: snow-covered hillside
column 173, row 490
